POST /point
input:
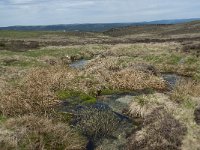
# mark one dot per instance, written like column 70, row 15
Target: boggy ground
column 118, row 100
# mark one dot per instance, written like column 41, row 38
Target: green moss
column 63, row 95
column 76, row 97
column 87, row 99
column 109, row 92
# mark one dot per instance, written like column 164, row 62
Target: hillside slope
column 158, row 30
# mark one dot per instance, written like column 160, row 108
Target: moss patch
column 76, row 97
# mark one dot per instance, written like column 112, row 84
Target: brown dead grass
column 38, row 133
column 136, row 80
column 160, row 131
column 35, row 93
column 144, row 105
column 185, row 88
column 119, row 74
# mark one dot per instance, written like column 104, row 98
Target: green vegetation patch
column 2, row 118
column 109, row 92
column 76, row 97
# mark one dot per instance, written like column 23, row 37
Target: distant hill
column 157, row 30
column 92, row 27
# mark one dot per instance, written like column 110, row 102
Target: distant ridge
column 98, row 27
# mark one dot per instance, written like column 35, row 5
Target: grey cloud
column 27, row 12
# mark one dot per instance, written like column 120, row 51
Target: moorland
column 127, row 88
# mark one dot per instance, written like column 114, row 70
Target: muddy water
column 79, row 64
column 171, row 79
column 117, row 102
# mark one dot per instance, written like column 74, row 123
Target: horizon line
column 192, row 19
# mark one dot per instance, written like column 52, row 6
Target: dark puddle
column 171, row 79
column 79, row 64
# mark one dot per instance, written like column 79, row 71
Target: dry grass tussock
column 35, row 93
column 160, row 131
column 119, row 74
column 34, row 133
column 144, row 105
column 185, row 88
column 132, row 79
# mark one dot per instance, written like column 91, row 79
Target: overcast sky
column 44, row 12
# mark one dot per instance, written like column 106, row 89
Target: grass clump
column 35, row 93
column 95, row 123
column 132, row 76
column 184, row 89
column 160, row 131
column 143, row 105
column 38, row 133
